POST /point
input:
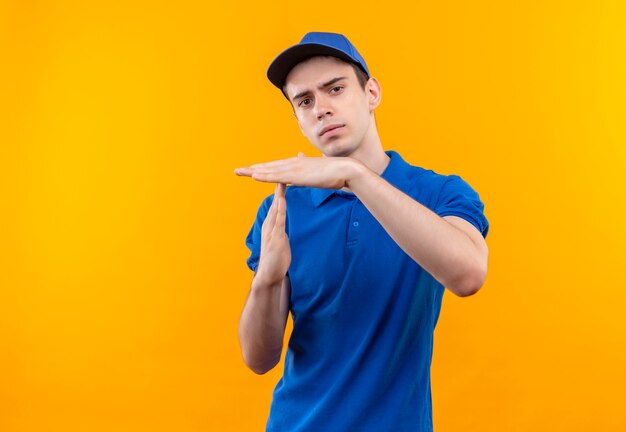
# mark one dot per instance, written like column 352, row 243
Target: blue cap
column 313, row 44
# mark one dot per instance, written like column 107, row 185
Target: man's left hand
column 319, row 172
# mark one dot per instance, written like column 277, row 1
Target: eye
column 304, row 102
column 336, row 89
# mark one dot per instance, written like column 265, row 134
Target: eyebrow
column 326, row 84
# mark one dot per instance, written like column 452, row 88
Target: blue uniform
column 364, row 312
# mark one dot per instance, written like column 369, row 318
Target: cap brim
column 288, row 59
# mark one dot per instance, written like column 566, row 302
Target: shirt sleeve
column 253, row 240
column 457, row 198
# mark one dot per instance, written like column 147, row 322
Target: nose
column 323, row 108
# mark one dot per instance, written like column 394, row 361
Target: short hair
column 361, row 77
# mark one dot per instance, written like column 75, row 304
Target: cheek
column 307, row 128
column 365, row 115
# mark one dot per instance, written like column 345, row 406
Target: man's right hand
column 264, row 317
column 275, row 250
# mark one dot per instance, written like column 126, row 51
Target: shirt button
column 355, row 224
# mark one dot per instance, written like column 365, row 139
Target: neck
column 371, row 152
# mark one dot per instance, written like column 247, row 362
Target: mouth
column 331, row 128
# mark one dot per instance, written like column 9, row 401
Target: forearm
column 443, row 250
column 262, row 324
column 452, row 251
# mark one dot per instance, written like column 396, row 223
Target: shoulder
column 403, row 173
column 428, row 186
column 436, row 180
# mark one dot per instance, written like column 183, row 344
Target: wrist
column 262, row 282
column 356, row 172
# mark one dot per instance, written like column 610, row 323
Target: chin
column 336, row 149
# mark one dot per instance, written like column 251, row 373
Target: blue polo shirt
column 363, row 311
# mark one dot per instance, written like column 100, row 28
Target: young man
column 359, row 249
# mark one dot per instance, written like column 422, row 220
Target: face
column 333, row 111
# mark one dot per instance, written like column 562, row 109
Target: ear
column 374, row 93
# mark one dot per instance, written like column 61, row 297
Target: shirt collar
column 395, row 173
column 318, row 196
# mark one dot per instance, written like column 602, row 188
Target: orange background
column 122, row 226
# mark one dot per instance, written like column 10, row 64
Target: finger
column 273, row 164
column 300, row 154
column 243, row 172
column 270, row 219
column 281, row 210
column 271, row 177
column 279, row 197
column 280, row 190
column 269, row 168
column 248, row 170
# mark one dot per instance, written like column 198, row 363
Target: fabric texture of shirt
column 363, row 311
